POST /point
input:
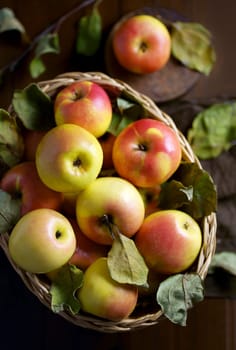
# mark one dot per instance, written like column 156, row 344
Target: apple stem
column 112, row 228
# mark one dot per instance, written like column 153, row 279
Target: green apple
column 109, row 201
column 68, row 158
column 169, row 241
column 41, row 241
column 101, row 296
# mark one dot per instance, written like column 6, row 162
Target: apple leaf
column 48, row 43
column 11, row 141
column 9, row 22
column 89, row 33
column 64, row 287
column 191, row 45
column 213, row 130
column 9, row 211
column 34, row 108
column 125, row 263
column 225, row 261
column 177, row 294
column 124, row 113
column 174, row 194
column 191, row 190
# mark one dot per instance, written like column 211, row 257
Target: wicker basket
column 145, row 317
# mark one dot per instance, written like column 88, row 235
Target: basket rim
column 209, row 224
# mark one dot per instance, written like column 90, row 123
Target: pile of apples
column 72, row 206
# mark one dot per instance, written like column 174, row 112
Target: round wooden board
column 171, row 82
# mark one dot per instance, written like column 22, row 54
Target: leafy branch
column 46, row 41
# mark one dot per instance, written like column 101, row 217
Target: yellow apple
column 68, row 158
column 109, row 201
column 101, row 296
column 41, row 241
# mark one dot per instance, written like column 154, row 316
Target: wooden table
column 24, row 321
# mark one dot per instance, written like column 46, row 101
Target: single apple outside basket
column 147, row 313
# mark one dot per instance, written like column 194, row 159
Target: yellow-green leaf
column 125, row 263
column 34, row 108
column 213, row 130
column 192, row 45
column 64, row 287
column 9, row 211
column 11, row 141
column 177, row 294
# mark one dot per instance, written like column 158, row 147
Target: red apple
column 31, row 141
column 69, row 204
column 87, row 251
column 169, row 241
column 150, row 197
column 147, row 152
column 141, row 44
column 109, row 201
column 23, row 181
column 107, row 141
column 86, row 104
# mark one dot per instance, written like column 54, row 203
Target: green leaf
column 191, row 190
column 64, row 287
column 34, row 108
column 124, row 113
column 213, row 130
column 89, row 33
column 224, row 260
column 191, row 45
column 37, row 67
column 174, row 195
column 179, row 293
column 8, row 22
column 125, row 263
column 48, row 43
column 11, row 141
column 9, row 211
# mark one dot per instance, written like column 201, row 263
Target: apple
column 150, row 197
column 106, row 204
column 86, row 104
column 169, row 241
column 68, row 158
column 152, row 152
column 141, row 44
column 69, row 204
column 107, row 141
column 101, row 296
column 87, row 251
column 31, row 141
column 22, row 181
column 41, row 241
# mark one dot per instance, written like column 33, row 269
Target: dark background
column 24, row 321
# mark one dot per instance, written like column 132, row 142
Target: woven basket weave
column 143, row 318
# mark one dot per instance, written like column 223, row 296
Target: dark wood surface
column 25, row 323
